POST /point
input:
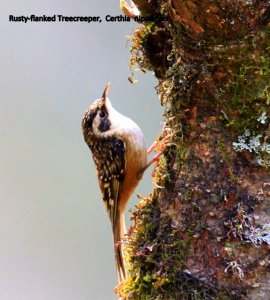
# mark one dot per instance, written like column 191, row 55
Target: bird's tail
column 119, row 231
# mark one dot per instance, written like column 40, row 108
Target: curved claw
column 159, row 146
column 163, row 142
column 152, row 148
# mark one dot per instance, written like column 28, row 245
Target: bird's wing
column 110, row 162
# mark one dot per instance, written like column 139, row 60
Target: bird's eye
column 102, row 114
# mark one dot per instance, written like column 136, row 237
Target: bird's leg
column 152, row 147
column 155, row 160
column 159, row 146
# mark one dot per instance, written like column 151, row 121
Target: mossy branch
column 204, row 232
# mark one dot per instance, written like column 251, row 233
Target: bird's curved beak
column 106, row 92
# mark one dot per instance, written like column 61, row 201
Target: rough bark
column 204, row 233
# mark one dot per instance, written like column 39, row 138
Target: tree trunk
column 204, row 233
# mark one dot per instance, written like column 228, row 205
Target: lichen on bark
column 204, row 232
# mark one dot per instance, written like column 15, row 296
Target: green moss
column 137, row 57
column 147, row 51
column 221, row 147
column 229, row 82
column 156, row 253
column 249, row 88
column 234, row 178
column 161, row 177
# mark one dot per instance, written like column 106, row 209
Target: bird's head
column 96, row 118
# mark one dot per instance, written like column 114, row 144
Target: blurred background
column 55, row 236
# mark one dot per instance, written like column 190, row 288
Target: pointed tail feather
column 119, row 231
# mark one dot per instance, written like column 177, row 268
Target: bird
column 120, row 156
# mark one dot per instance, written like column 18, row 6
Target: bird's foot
column 164, row 140
column 159, row 147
